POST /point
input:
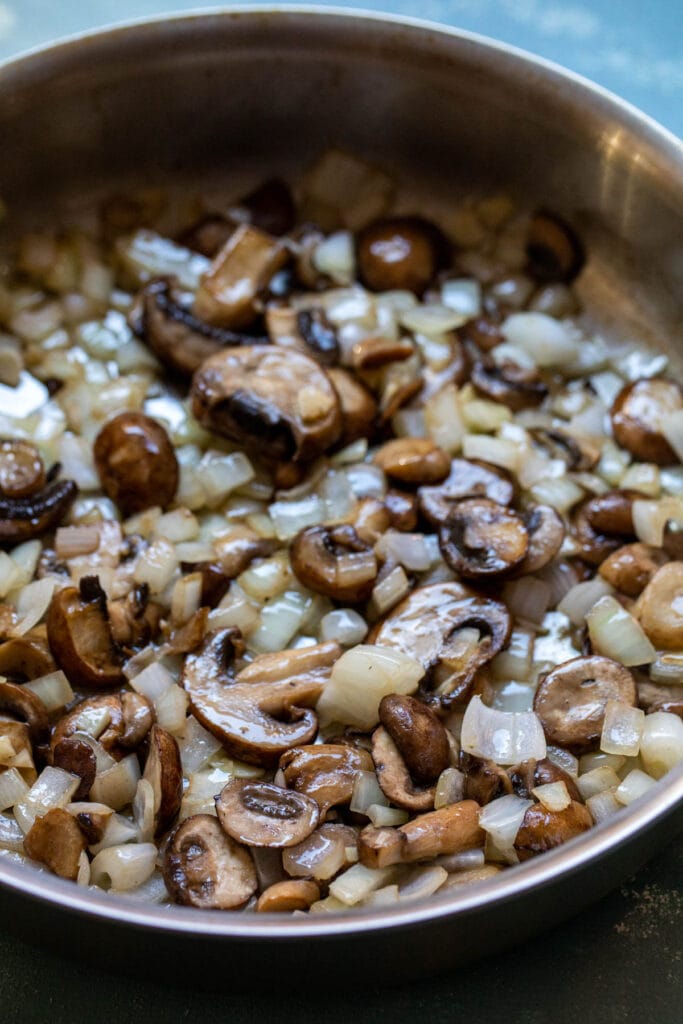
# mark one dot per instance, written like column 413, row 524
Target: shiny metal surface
column 217, row 98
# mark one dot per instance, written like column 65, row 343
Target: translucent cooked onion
column 597, row 781
column 544, row 339
column 336, row 257
column 622, row 729
column 53, row 689
column 563, row 759
column 118, row 830
column 143, row 811
column 603, row 805
column 289, row 517
column 220, row 474
column 432, row 318
column 197, row 746
column 123, row 867
column 443, row 420
column 450, row 788
column 156, row 565
column 650, row 518
column 11, row 836
column 320, row 856
column 71, row 541
column 553, row 795
column 410, row 549
column 505, row 737
column 53, row 788
column 580, row 598
column 462, row 295
column 616, row 634
column 12, row 788
column 366, row 793
column 153, row 681
column 344, row 625
column 634, row 785
column 116, row 786
column 389, row 591
column 667, row 669
column 422, row 882
column 359, row 680
column 380, row 815
column 171, row 709
column 281, row 619
column 358, row 882
column 529, row 597
column 496, row 450
column 33, row 603
column 661, row 744
column 502, row 817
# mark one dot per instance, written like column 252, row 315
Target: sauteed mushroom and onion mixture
column 341, row 561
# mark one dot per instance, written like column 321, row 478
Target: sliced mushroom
column 240, row 271
column 55, row 840
column 262, row 814
column 25, row 657
column 542, row 829
column 395, row 778
column 275, row 401
column 136, row 462
column 399, row 252
column 402, row 509
column 335, row 562
column 660, row 698
column 134, row 620
column 426, row 626
column 264, row 711
column 164, row 772
column 483, row 540
column 571, row 699
column 514, row 386
column 324, row 771
column 21, row 469
column 21, row 703
column 413, row 460
column 529, row 774
column 449, row 830
column 285, row 897
column 466, row 479
column 203, row 867
column 659, row 607
column 178, row 338
column 553, row 249
column 482, row 331
column 78, row 757
column 358, row 407
column 80, row 639
column 236, row 550
column 28, row 517
column 545, row 528
column 418, row 734
column 484, row 780
column 138, row 718
column 100, row 717
column 208, row 234
column 630, row 568
column 372, row 520
column 375, row 352
column 309, row 331
column 602, row 523
column 19, row 735
column 638, row 414
column 578, row 453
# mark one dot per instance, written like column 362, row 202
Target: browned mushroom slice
column 446, row 831
column 631, row 567
column 25, row 657
column 136, row 462
column 78, row 757
column 262, row 814
column 134, row 620
column 138, row 718
column 263, row 711
column 602, row 523
column 394, row 777
column 482, row 331
column 275, row 401
column 542, row 829
column 638, row 414
column 21, row 468
column 546, row 533
column 483, row 540
column 236, row 550
column 100, row 717
column 578, row 453
column 660, row 698
column 335, row 562
column 413, row 460
column 188, row 636
column 285, row 897
column 56, row 841
column 399, row 252
column 28, row 517
column 418, row 734
column 309, row 331
column 374, row 352
column 203, row 867
column 571, row 699
column 324, row 771
column 358, row 407
column 164, row 771
column 658, row 607
column 466, row 479
column 19, row 735
column 80, row 639
column 529, row 774
column 228, row 291
column 402, row 509
column 21, row 703
column 178, row 338
column 484, row 780
column 514, row 386
column 553, row 249
column 426, row 626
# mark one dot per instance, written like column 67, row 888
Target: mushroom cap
column 55, row 840
column 75, row 755
column 262, row 814
column 136, row 462
column 324, row 771
column 483, row 540
column 399, row 252
column 25, row 657
column 554, row 250
column 631, row 567
column 658, row 607
column 260, row 713
column 75, row 721
column 545, row 528
column 32, row 515
column 335, row 562
column 511, row 385
column 81, row 642
column 420, row 737
column 466, row 479
column 602, row 523
column 357, row 404
column 571, row 699
column 542, row 829
column 27, row 706
column 203, row 867
column 275, row 401
column 638, row 413
column 21, row 468
column 395, row 779
column 413, row 460
column 164, row 771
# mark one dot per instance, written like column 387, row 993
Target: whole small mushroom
column 136, row 462
column 399, row 252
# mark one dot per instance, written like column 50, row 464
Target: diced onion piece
column 153, row 681
column 529, row 598
column 118, row 830
column 366, row 480
column 643, row 477
column 597, row 781
column 661, row 744
column 320, row 856
column 616, row 634
column 502, row 817
column 220, row 474
column 497, row 450
column 450, row 788
column 389, row 591
column 53, row 689
column 26, row 556
column 410, row 549
column 443, row 420
column 116, row 786
column 53, row 788
column 358, row 882
column 422, row 882
column 359, row 680
column 463, row 296
column 186, row 597
column 553, row 795
column 512, row 695
column 197, row 746
column 622, row 729
column 281, row 619
column 596, row 759
column 603, row 805
column 560, row 577
column 344, row 625
column 381, row 815
column 12, row 788
column 177, row 526
column 289, row 517
column 672, row 428
column 564, row 759
column 92, row 721
column 10, row 574
column 71, row 541
column 143, row 810
column 11, row 836
column 431, row 319
column 33, row 603
column 336, row 257
column 77, row 463
column 267, row 579
column 545, row 340
column 667, row 668
column 387, row 896
column 146, row 254
column 650, row 518
column 171, row 709
column 366, row 793
column 123, row 867
column 505, row 737
column 561, row 492
column 634, row 785
column 156, row 565
column 515, row 661
column 578, row 601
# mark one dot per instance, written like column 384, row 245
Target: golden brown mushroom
column 603, row 523
column 25, row 705
column 631, row 567
column 358, row 407
column 324, row 771
column 203, row 867
column 335, row 562
column 466, row 479
column 514, row 386
column 21, row 468
column 34, row 514
column 261, row 814
column 542, row 829
column 418, row 734
column 638, row 414
column 80, row 637
column 554, row 250
column 136, row 462
column 413, row 460
column 658, row 607
column 399, row 252
column 55, row 840
column 164, row 772
column 482, row 540
column 449, row 830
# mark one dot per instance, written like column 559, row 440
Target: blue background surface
column 632, row 47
